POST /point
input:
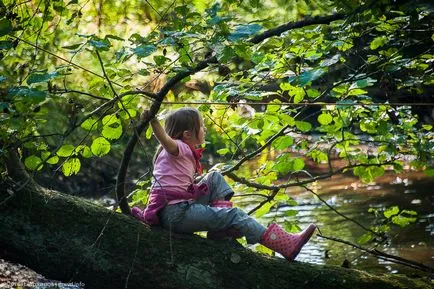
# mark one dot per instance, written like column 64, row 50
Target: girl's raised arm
column 168, row 143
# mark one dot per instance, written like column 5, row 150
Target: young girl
column 179, row 204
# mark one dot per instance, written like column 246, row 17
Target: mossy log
column 73, row 240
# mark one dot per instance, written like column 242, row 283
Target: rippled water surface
column 411, row 191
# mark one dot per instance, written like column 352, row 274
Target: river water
column 410, row 191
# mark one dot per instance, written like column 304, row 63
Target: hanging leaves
column 100, row 146
column 244, row 31
column 41, row 77
column 71, row 167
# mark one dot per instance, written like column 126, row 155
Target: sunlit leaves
column 244, row 31
column 100, row 147
column 66, row 150
column 311, row 75
column 296, row 93
column 112, row 127
column 41, row 77
column 33, row 163
column 303, row 126
column 71, row 166
column 330, row 61
column 325, row 118
column 283, row 142
column 100, row 44
column 285, row 163
column 391, row 211
column 144, row 50
column 401, row 218
column 28, row 93
column 47, row 157
column 265, row 209
column 368, row 174
column 90, row 124
column 378, row 42
column 291, row 227
column 365, row 238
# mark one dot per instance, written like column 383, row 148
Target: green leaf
column 408, row 212
column 112, row 127
column 100, row 44
column 100, row 147
column 264, row 250
column 144, row 50
column 222, row 151
column 291, row 213
column 66, row 151
column 330, row 61
column 41, row 77
column 72, row 46
column 265, row 209
column 244, row 31
column 363, row 83
column 30, row 93
column 365, row 238
column 378, row 42
column 149, row 132
column 297, row 164
column 224, row 53
column 71, row 166
column 325, row 118
column 391, row 212
column 33, row 163
column 84, row 150
column 160, row 60
column 291, row 227
column 357, row 91
column 403, row 221
column 52, row 160
column 90, row 124
column 6, row 44
column 303, row 126
column 283, row 142
column 5, row 27
column 311, row 75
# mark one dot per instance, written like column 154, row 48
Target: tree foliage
column 338, row 78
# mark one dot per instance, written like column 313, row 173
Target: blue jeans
column 195, row 216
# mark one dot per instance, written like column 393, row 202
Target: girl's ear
column 187, row 135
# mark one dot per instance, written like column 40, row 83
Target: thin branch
column 298, row 183
column 269, row 199
column 294, row 25
column 342, row 215
column 256, row 152
column 382, row 255
column 80, row 92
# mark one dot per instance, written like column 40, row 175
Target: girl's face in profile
column 200, row 139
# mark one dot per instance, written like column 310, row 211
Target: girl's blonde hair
column 180, row 120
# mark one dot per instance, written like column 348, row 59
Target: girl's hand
column 144, row 115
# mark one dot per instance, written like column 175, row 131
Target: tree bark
column 74, row 240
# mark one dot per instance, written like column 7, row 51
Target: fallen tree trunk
column 73, row 240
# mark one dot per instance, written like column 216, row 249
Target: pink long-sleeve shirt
column 173, row 180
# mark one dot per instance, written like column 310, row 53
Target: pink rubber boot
column 229, row 234
column 289, row 245
column 138, row 214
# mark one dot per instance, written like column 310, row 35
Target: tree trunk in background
column 73, row 240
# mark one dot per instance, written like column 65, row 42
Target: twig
column 382, row 255
column 342, row 215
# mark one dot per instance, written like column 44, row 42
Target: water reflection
column 411, row 191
